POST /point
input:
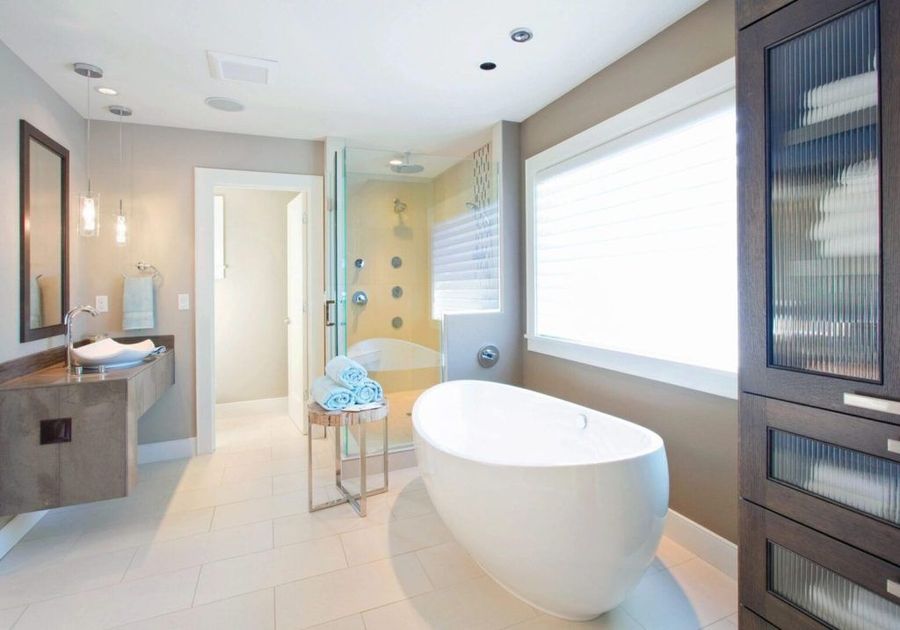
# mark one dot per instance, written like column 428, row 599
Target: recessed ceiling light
column 488, row 65
column 520, row 35
column 224, row 104
column 119, row 110
column 396, row 162
column 107, row 91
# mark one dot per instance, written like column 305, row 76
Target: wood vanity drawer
column 798, row 578
column 839, row 474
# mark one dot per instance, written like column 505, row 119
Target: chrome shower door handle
column 328, row 319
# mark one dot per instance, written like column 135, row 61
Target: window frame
column 716, row 82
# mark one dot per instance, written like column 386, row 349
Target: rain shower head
column 399, row 206
column 405, row 168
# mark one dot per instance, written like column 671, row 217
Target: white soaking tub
column 562, row 505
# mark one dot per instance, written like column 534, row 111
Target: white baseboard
column 15, row 530
column 703, row 543
column 164, row 451
column 252, row 407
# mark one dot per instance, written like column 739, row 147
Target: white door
column 296, row 318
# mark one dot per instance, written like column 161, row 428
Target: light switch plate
column 184, row 302
column 101, row 303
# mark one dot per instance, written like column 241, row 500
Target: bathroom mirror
column 44, row 199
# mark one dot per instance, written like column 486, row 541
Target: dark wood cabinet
column 819, row 242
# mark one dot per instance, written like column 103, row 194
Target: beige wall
column 700, row 431
column 26, row 96
column 157, row 184
column 251, row 300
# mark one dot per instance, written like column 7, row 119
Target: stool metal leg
column 363, row 476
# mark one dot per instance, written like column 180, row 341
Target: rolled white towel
column 345, row 371
column 843, row 89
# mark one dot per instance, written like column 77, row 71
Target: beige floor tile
column 261, row 509
column 124, row 534
column 448, row 564
column 219, row 495
column 253, row 611
column 616, row 619
column 690, row 595
column 479, row 604
column 338, row 594
column 394, row 538
column 240, row 473
column 226, row 578
column 32, row 554
column 353, row 622
column 300, row 528
column 668, row 555
column 729, row 623
column 242, row 457
column 195, row 550
column 63, row 578
column 114, row 605
column 10, row 616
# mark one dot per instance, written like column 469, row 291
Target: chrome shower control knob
column 360, row 298
column 488, row 356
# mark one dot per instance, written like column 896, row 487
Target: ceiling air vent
column 239, row 68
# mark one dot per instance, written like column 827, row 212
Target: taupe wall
column 700, row 430
column 251, row 300
column 157, row 184
column 25, row 95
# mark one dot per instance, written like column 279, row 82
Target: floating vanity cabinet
column 73, row 439
column 819, row 178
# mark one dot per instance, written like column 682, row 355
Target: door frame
column 206, row 180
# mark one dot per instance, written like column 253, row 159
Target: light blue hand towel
column 368, row 391
column 330, row 395
column 345, row 371
column 138, row 308
column 36, row 304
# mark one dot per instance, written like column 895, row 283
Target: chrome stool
column 338, row 419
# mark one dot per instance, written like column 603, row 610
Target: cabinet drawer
column 837, row 473
column 798, row 578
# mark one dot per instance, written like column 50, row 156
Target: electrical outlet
column 184, row 302
column 101, row 303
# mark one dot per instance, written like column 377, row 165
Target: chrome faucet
column 70, row 317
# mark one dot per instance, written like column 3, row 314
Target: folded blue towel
column 330, row 395
column 345, row 371
column 368, row 391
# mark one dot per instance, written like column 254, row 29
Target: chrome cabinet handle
column 872, row 403
column 893, row 588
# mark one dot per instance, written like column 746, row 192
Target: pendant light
column 89, row 202
column 121, row 220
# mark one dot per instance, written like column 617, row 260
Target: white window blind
column 465, row 262
column 634, row 251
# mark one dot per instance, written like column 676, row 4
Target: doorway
column 299, row 273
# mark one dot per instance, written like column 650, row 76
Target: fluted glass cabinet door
column 819, row 203
column 824, row 204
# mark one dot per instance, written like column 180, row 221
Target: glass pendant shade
column 89, row 214
column 121, row 228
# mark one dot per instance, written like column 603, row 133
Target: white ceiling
column 398, row 74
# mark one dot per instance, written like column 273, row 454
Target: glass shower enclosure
column 415, row 237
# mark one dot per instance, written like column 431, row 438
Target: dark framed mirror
column 44, row 234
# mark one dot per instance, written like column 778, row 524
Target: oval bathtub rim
column 657, row 443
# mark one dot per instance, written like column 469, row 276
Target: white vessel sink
column 108, row 353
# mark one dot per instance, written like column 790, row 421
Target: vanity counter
column 67, row 439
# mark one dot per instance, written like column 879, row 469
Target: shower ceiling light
column 520, row 35
column 107, row 91
column 396, row 162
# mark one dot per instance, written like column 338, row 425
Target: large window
column 632, row 240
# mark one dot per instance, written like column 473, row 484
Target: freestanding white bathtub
column 560, row 504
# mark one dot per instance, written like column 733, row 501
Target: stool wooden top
column 320, row 416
